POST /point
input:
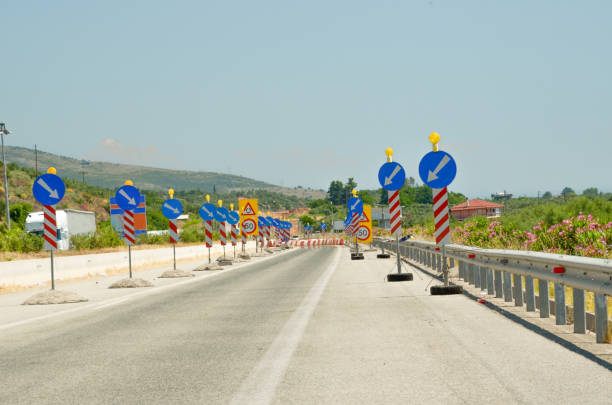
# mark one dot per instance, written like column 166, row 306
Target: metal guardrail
column 501, row 272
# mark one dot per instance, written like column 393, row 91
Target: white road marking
column 260, row 386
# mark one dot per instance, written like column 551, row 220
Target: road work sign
column 248, row 217
column 437, row 169
column 391, row 176
column 247, row 207
column 364, row 228
column 172, row 208
column 355, row 205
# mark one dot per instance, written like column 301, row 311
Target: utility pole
column 36, row 159
column 4, row 131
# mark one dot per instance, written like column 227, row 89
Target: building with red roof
column 477, row 207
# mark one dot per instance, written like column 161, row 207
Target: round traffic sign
column 263, row 221
column 233, row 217
column 207, row 212
column 221, row 214
column 127, row 197
column 355, row 205
column 363, row 233
column 323, row 226
column 48, row 189
column 248, row 225
column 437, row 169
column 172, row 208
column 391, row 176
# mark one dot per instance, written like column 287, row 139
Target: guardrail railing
column 510, row 274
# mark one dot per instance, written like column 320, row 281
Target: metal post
column 476, row 276
column 543, row 296
column 579, row 311
column 444, row 266
column 234, row 252
column 6, row 197
column 483, row 278
column 518, row 290
column 499, row 291
column 208, row 255
column 530, row 294
column 601, row 318
column 52, row 275
column 490, row 286
column 507, row 287
column 560, row 315
column 224, row 252
column 399, row 261
column 174, row 254
column 452, row 262
column 130, row 258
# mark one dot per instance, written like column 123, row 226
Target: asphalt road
column 306, row 327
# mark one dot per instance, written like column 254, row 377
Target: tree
column 348, row 189
column 591, row 191
column 305, row 219
column 335, row 194
column 366, row 197
column 547, row 195
column 423, row 195
column 567, row 191
column 384, row 198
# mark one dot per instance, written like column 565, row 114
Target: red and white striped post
column 208, row 236
column 174, row 237
column 222, row 230
column 129, row 235
column 441, row 216
column 50, row 235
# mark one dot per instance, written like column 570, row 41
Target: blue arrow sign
column 391, row 176
column 207, row 212
column 233, row 217
column 323, row 226
column 263, row 221
column 437, row 169
column 48, row 189
column 172, row 208
column 127, row 197
column 307, row 227
column 355, row 205
column 221, row 214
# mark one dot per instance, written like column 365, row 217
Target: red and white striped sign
column 173, row 226
column 395, row 213
column 50, row 225
column 441, row 217
column 208, row 233
column 128, row 228
column 243, row 236
column 223, row 233
column 354, row 224
column 234, row 234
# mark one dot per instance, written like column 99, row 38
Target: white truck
column 69, row 223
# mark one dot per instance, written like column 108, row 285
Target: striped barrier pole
column 128, row 234
column 223, row 235
column 174, row 237
column 208, row 236
column 244, row 239
column 396, row 223
column 442, row 225
column 234, row 234
column 50, row 235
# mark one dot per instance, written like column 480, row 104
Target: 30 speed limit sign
column 249, row 226
column 363, row 233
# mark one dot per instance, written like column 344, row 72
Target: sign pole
column 174, row 254
column 399, row 258
column 130, row 258
column 52, row 275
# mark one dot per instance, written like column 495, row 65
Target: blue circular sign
column 127, row 197
column 48, row 189
column 437, row 169
column 323, row 226
column 221, row 214
column 263, row 221
column 207, row 212
column 233, row 217
column 307, row 227
column 172, row 208
column 355, row 205
column 391, row 176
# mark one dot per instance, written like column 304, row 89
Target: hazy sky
column 301, row 93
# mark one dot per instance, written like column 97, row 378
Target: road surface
column 307, row 327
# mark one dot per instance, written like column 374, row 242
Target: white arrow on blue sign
column 391, row 176
column 127, row 197
column 323, row 226
column 48, row 189
column 172, row 208
column 355, row 205
column 437, row 169
column 207, row 212
column 233, row 217
column 221, row 214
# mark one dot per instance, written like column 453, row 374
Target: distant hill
column 110, row 175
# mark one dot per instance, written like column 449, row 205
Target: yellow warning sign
column 364, row 229
column 247, row 208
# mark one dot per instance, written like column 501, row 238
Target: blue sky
column 302, row 93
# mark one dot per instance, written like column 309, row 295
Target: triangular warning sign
column 364, row 217
column 248, row 210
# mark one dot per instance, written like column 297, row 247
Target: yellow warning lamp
column 207, row 198
column 220, row 202
column 268, row 213
column 51, row 170
column 127, row 182
column 171, row 193
column 354, row 192
column 389, row 153
column 232, row 207
column 434, row 138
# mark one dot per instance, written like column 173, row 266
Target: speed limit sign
column 363, row 233
column 249, row 226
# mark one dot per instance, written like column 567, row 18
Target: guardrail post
column 560, row 315
column 452, row 262
column 428, row 259
column 490, row 287
column 530, row 294
column 601, row 318
column 543, row 296
column 439, row 262
column 499, row 292
column 476, row 275
column 518, row 290
column 507, row 287
column 579, row 311
column 461, row 275
column 483, row 278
